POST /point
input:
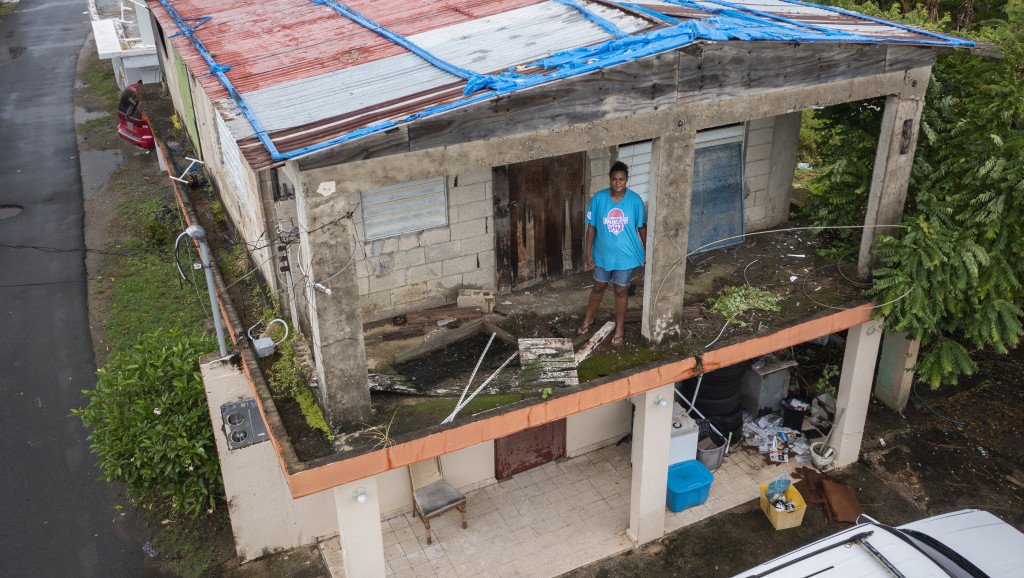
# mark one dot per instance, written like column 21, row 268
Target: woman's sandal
column 617, row 341
column 584, row 328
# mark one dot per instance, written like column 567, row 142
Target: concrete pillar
column 359, row 530
column 336, row 325
column 894, row 157
column 668, row 228
column 652, row 426
column 895, row 378
column 855, row 390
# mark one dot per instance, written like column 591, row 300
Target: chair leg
column 462, row 509
column 426, row 522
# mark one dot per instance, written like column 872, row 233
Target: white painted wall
column 466, row 469
column 264, row 516
column 598, row 427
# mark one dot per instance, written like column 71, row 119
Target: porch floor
column 549, row 520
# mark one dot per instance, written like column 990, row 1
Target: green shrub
column 150, row 425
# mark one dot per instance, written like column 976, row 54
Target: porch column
column 335, row 319
column 652, row 426
column 667, row 232
column 855, row 390
column 359, row 530
column 894, row 157
column 895, row 378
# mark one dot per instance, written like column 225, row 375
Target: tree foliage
column 150, row 427
column 954, row 277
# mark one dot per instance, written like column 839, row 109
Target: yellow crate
column 788, row 518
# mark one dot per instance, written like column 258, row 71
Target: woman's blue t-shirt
column 617, row 244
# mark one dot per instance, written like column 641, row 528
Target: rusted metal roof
column 289, row 76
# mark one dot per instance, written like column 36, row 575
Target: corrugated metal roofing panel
column 485, row 45
column 310, row 74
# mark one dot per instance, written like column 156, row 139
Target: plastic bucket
column 712, row 458
column 822, row 462
column 792, row 418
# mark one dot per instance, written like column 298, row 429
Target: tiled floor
column 550, row 519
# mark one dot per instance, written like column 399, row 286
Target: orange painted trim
column 311, row 481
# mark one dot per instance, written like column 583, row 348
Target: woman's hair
column 617, row 167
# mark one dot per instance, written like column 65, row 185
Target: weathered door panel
column 544, row 206
column 716, row 205
column 529, row 448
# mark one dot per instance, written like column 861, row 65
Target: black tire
column 720, row 391
column 712, row 408
column 729, row 422
column 710, row 390
column 725, row 375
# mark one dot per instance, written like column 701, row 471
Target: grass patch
column 6, row 9
column 100, row 78
column 185, row 547
column 428, row 413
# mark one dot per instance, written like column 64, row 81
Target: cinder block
column 759, row 136
column 364, row 285
column 435, row 236
column 402, row 296
column 475, row 210
column 467, row 229
column 390, row 245
column 445, row 284
column 375, row 305
column 473, row 177
column 459, row 265
column 406, row 242
column 387, row 281
column 757, row 168
column 421, row 273
column 482, row 298
column 756, row 183
column 410, row 258
column 755, row 213
column 469, row 193
column 442, row 251
column 484, row 278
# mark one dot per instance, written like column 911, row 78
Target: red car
column 132, row 124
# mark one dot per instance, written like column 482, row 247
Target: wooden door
column 529, row 448
column 538, row 219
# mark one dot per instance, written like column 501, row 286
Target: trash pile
column 774, row 440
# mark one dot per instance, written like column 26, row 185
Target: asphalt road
column 58, row 519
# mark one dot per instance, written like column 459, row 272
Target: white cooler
column 683, row 445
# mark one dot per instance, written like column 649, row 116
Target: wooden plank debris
column 406, row 333
column 442, row 341
column 434, row 315
column 596, row 340
column 547, row 362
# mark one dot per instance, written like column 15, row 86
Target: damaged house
column 397, row 153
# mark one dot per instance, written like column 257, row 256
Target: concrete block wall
column 758, row 147
column 770, row 160
column 427, row 268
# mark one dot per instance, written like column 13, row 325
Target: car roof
column 864, row 550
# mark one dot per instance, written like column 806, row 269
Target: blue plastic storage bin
column 689, row 484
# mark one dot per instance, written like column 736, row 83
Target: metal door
column 529, row 448
column 716, row 204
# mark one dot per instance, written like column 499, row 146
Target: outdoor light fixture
column 359, row 495
column 660, row 401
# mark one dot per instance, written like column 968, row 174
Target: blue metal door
column 716, row 204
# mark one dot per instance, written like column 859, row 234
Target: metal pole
column 199, row 234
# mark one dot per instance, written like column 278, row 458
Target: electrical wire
column 932, row 409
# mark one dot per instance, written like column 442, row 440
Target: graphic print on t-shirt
column 616, row 221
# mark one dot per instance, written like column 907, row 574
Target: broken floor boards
column 547, row 362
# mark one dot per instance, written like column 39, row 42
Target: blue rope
column 930, row 407
column 219, row 70
column 609, row 27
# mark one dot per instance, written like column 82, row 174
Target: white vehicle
column 968, row 544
